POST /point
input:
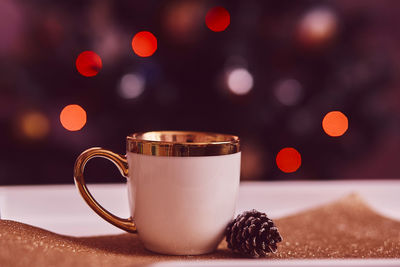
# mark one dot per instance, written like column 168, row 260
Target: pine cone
column 253, row 234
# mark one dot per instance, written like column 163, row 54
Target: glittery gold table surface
column 342, row 229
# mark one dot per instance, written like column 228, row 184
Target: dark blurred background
column 269, row 77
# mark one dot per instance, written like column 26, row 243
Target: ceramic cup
column 182, row 188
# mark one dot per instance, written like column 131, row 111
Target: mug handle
column 122, row 164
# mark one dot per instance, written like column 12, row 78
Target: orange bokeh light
column 218, row 19
column 35, row 125
column 335, row 123
column 144, row 44
column 88, row 63
column 288, row 160
column 73, row 117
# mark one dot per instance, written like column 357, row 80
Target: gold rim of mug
column 182, row 143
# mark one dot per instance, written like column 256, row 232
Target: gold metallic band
column 182, row 144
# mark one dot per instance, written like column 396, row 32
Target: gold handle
column 122, row 165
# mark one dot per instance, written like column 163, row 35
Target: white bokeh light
column 131, row 85
column 319, row 24
column 288, row 92
column 240, row 81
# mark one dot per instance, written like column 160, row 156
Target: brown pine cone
column 252, row 234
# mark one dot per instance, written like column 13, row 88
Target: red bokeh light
column 144, row 44
column 88, row 63
column 288, row 160
column 218, row 19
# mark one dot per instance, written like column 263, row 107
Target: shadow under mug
column 182, row 188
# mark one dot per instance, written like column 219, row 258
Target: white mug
column 182, row 188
